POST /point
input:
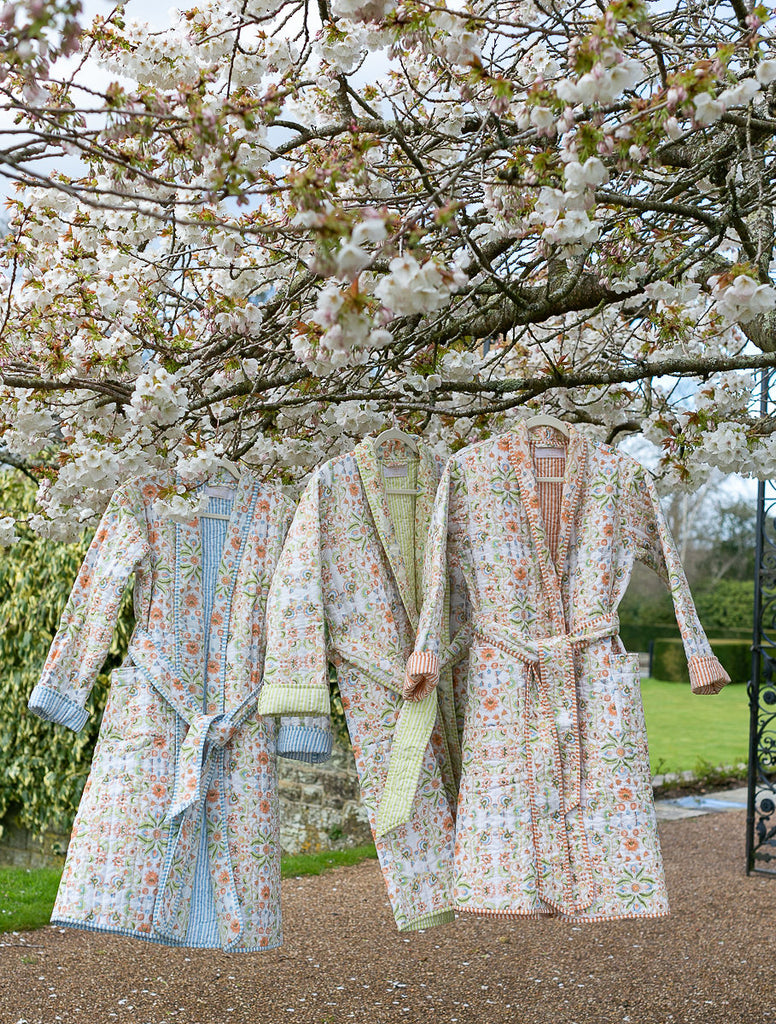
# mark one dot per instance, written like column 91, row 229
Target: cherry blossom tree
column 291, row 224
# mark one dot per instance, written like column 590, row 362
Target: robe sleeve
column 306, row 738
column 296, row 675
column 83, row 639
column 655, row 547
column 422, row 671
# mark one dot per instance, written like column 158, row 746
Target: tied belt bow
column 199, row 781
column 553, row 754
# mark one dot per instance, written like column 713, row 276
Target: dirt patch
column 344, row 961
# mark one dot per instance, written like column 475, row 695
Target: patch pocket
column 607, row 696
column 136, row 714
column 625, row 667
column 493, row 730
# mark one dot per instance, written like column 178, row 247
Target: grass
column 687, row 732
column 296, row 865
column 27, row 896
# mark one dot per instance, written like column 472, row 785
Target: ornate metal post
column 761, row 804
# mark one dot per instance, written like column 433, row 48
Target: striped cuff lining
column 421, row 675
column 706, row 674
column 52, row 706
column 294, row 699
column 304, row 743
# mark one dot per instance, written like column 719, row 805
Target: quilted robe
column 347, row 592
column 555, row 812
column 176, row 836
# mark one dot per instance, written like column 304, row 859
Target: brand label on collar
column 394, row 471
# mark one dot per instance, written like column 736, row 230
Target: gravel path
column 713, row 961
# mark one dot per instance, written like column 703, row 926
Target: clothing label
column 550, row 453
column 393, row 471
column 216, row 491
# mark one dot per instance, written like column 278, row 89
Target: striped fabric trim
column 421, row 675
column 402, row 509
column 428, row 921
column 304, row 743
column 566, row 918
column 294, row 699
column 706, row 674
column 158, row 940
column 52, row 706
column 550, row 494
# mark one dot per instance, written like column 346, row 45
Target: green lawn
column 686, row 730
column 26, row 897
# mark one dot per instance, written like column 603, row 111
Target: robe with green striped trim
column 555, row 813
column 347, row 592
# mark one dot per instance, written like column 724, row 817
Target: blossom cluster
column 292, row 224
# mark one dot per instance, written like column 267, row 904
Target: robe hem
column 431, row 920
column 159, row 940
column 570, row 918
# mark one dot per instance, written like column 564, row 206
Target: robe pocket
column 493, row 740
column 613, row 714
column 136, row 716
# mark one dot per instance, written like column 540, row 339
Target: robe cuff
column 52, row 706
column 308, row 743
column 294, row 699
column 706, row 674
column 421, row 675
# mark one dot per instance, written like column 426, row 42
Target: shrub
column 670, row 663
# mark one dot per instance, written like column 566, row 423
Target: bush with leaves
column 43, row 767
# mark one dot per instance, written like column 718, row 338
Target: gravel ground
column 713, row 961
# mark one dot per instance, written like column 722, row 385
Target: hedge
column 669, row 661
column 43, row 767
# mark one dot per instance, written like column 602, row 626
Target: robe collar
column 372, row 481
column 522, row 462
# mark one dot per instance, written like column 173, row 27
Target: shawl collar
column 371, row 479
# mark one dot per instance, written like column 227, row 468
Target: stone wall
column 320, row 809
column 320, row 805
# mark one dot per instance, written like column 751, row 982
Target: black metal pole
column 754, row 684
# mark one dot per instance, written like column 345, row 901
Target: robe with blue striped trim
column 176, row 839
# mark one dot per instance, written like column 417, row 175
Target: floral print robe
column 347, row 591
column 176, row 836
column 555, row 812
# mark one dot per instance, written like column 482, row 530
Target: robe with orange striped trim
column 555, row 813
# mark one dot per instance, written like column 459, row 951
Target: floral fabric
column 344, row 593
column 176, row 836
column 555, row 811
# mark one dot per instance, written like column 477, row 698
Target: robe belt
column 414, row 725
column 553, row 754
column 196, row 761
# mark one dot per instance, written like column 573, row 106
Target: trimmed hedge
column 669, row 662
